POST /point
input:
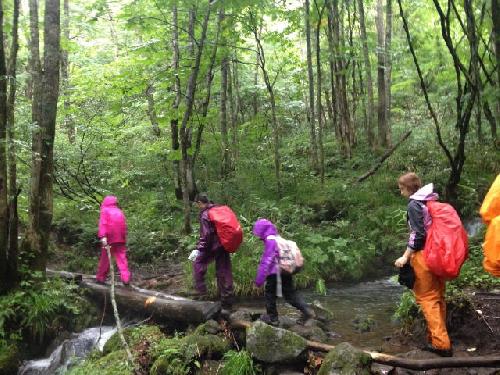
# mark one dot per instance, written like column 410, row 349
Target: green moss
column 114, row 363
column 133, row 336
column 346, row 360
column 9, row 359
column 207, row 345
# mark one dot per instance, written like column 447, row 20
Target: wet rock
column 242, row 315
column 322, row 313
column 274, row 345
column 363, row 323
column 313, row 333
column 346, row 360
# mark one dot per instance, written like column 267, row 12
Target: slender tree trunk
column 382, row 94
column 223, row 105
column 310, row 75
column 388, row 71
column 184, row 131
column 68, row 123
column 233, row 115
column 270, row 89
column 4, row 207
column 174, row 121
column 153, row 118
column 368, row 73
column 318, row 91
column 495, row 16
column 12, row 256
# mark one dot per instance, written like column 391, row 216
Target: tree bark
column 68, row 123
column 318, row 92
column 495, row 17
column 4, row 207
column 381, row 82
column 310, row 76
column 184, row 131
column 368, row 73
column 12, row 256
column 153, row 118
column 174, row 121
column 223, row 105
column 388, row 71
column 37, row 236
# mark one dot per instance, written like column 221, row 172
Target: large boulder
column 273, row 345
column 346, row 360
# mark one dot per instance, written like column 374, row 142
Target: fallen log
column 412, row 364
column 147, row 302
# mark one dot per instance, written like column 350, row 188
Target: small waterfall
column 69, row 352
column 473, row 226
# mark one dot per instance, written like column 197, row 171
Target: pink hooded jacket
column 112, row 222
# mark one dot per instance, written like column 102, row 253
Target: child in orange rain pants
column 429, row 289
column 490, row 212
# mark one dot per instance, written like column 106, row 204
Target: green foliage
column 38, row 309
column 407, row 310
column 239, row 363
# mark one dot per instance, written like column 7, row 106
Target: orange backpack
column 446, row 244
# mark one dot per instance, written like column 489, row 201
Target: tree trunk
column 153, row 118
column 174, row 121
column 318, row 91
column 37, row 237
column 4, row 207
column 368, row 71
column 186, row 170
column 382, row 94
column 12, row 255
column 310, row 76
column 388, row 71
column 270, row 90
column 495, row 16
column 233, row 115
column 68, row 123
column 223, row 106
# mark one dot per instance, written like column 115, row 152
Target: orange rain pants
column 490, row 212
column 429, row 292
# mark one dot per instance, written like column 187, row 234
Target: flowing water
column 69, row 352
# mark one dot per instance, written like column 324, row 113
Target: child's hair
column 202, row 197
column 410, row 181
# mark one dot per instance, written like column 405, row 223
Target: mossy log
column 412, row 364
column 146, row 302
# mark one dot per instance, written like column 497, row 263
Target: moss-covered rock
column 114, row 363
column 274, row 345
column 209, row 327
column 312, row 332
column 346, row 360
column 207, row 345
column 133, row 336
column 9, row 359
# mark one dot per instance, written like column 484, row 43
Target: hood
column 425, row 193
column 109, row 201
column 263, row 228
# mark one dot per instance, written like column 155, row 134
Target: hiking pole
column 115, row 309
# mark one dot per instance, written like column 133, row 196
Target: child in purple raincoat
column 209, row 249
column 267, row 272
column 112, row 232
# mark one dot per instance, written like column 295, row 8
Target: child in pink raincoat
column 112, row 232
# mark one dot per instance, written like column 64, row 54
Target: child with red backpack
column 269, row 271
column 211, row 248
column 429, row 286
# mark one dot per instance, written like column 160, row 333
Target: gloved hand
column 194, row 254
column 104, row 241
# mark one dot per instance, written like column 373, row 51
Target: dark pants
column 223, row 273
column 289, row 293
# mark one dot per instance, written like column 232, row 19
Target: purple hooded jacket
column 112, row 222
column 268, row 265
column 418, row 215
column 209, row 241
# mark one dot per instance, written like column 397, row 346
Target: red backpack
column 227, row 226
column 446, row 244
